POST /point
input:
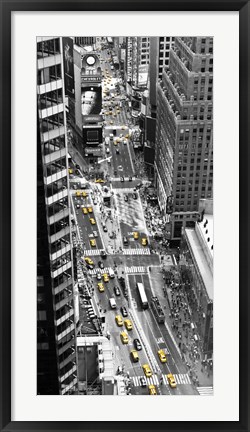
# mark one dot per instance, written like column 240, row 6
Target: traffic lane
column 87, row 229
column 164, row 340
column 152, row 332
column 126, row 159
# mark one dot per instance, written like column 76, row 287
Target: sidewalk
column 179, row 321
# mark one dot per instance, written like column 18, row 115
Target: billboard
column 142, row 75
column 68, row 64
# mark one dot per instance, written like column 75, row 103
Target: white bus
column 142, row 295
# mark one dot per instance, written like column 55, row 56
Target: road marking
column 136, row 251
column 140, row 269
column 205, row 391
column 160, row 340
column 92, row 252
column 154, row 379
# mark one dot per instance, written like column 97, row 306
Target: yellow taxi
column 84, row 194
column 124, row 337
column 162, row 356
column 92, row 221
column 147, row 371
column 111, row 122
column 152, row 389
column 110, row 112
column 84, row 210
column 171, row 380
column 107, row 113
column 136, row 235
column 134, row 356
column 126, row 136
column 119, row 320
column 105, row 277
column 128, row 324
column 78, row 193
column 118, row 112
column 101, row 287
column 123, row 127
column 89, row 261
column 92, row 242
column 99, row 181
column 90, row 209
column 70, row 171
column 144, row 241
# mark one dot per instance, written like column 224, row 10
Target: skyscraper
column 56, row 326
column 184, row 132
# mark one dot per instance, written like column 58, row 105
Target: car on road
column 130, row 178
column 92, row 242
column 78, row 193
column 134, row 356
column 143, row 381
column 98, row 275
column 70, row 171
column 136, row 235
column 95, row 234
column 89, row 263
column 105, row 228
column 99, row 180
column 95, row 202
column 122, row 179
column 162, row 356
column 78, row 166
column 117, row 151
column 135, row 196
column 101, row 287
column 84, row 210
column 152, row 389
column 119, row 320
column 125, row 240
column 77, row 206
column 137, row 344
column 92, row 221
column 103, row 254
column 124, row 311
column 171, row 380
column 128, row 324
column 100, row 263
column 105, row 277
column 90, row 209
column 144, row 241
column 124, row 337
column 125, row 197
column 117, row 291
column 84, row 194
column 147, row 371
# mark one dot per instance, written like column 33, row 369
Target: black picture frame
column 7, row 7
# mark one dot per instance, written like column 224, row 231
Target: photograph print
column 125, row 215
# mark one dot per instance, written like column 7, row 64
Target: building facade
column 184, row 132
column 56, row 323
column 196, row 263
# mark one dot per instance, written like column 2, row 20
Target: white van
column 111, row 274
column 111, row 137
column 112, row 303
column 107, row 150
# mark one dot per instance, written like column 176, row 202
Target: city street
column 119, row 230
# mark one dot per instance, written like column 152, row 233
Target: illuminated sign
column 88, row 78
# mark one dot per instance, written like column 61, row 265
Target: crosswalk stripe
column 92, row 252
column 182, row 379
column 136, row 251
column 134, row 269
column 155, row 379
column 206, row 391
column 176, row 378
